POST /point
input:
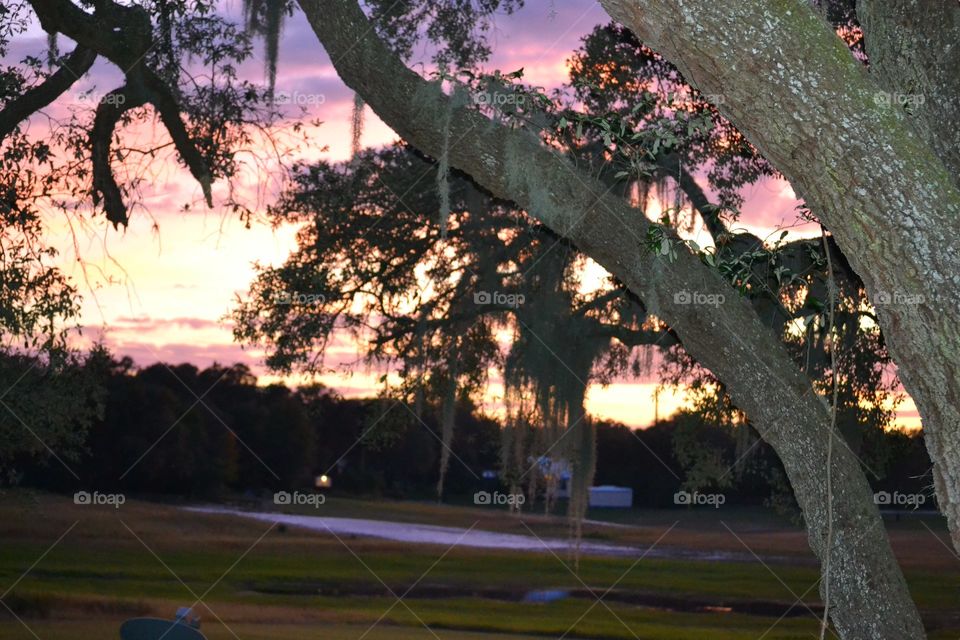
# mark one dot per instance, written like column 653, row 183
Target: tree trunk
column 870, row 598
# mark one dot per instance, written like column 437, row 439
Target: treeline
column 177, row 430
column 693, row 454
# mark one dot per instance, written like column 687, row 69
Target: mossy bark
column 914, row 52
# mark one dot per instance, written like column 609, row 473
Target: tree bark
column 793, row 88
column 870, row 598
column 914, row 51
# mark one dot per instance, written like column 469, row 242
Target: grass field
column 77, row 572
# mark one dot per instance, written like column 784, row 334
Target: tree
column 377, row 257
column 210, row 117
column 873, row 153
column 514, row 164
column 49, row 402
column 39, row 375
column 431, row 293
column 182, row 430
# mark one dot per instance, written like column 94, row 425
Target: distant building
column 556, row 473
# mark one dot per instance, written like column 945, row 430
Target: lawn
column 257, row 581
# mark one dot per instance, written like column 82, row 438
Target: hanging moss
column 582, row 452
column 443, row 176
column 551, row 362
column 356, row 124
column 447, row 418
column 273, row 22
column 458, row 98
column 265, row 18
column 53, row 50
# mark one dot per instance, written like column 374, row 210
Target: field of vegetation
column 69, row 571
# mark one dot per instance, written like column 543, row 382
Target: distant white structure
column 556, row 473
column 611, row 496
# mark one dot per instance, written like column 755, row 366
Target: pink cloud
column 143, row 323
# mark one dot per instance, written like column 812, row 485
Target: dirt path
column 475, row 538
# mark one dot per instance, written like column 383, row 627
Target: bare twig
column 831, row 288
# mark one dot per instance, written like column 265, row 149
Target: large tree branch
column 123, row 35
column 871, row 596
column 914, row 52
column 166, row 105
column 109, row 111
column 792, row 87
column 661, row 338
column 40, row 96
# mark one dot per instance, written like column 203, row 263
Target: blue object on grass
column 547, row 595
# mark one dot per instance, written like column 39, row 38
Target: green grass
column 75, row 564
column 114, row 564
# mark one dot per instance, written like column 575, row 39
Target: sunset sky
column 161, row 293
